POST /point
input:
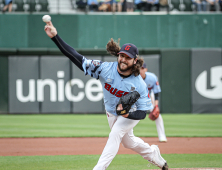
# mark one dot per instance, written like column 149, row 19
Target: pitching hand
column 50, row 29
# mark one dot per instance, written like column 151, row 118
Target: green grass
column 120, row 162
column 176, row 125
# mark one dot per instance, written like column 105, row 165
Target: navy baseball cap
column 130, row 50
column 144, row 65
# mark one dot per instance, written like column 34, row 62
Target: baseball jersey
column 114, row 86
column 152, row 83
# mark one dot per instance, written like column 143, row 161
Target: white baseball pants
column 160, row 128
column 122, row 131
column 159, row 122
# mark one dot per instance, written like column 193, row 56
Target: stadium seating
column 30, row 5
column 26, row 6
column 180, row 5
column 188, row 5
column 17, row 6
column 41, row 5
column 174, row 5
column 163, row 5
column 2, row 2
column 80, row 4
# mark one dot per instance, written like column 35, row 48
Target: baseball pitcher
column 125, row 97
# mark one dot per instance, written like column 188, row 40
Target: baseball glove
column 125, row 102
column 155, row 113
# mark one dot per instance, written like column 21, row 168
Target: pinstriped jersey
column 152, row 83
column 115, row 86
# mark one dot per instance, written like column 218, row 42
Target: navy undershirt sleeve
column 156, row 96
column 68, row 51
column 137, row 115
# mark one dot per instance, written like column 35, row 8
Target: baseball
column 46, row 18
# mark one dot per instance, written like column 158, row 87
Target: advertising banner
column 206, row 68
column 23, row 76
column 53, row 85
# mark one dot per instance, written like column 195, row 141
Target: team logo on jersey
column 108, row 80
column 96, row 63
column 114, row 91
column 132, row 89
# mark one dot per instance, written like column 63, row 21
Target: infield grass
column 120, row 162
column 76, row 125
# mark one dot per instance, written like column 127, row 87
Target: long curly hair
column 113, row 48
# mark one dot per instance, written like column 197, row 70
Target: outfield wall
column 93, row 31
column 190, row 79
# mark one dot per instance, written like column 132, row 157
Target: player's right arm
column 90, row 67
column 67, row 50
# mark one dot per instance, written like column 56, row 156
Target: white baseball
column 46, row 18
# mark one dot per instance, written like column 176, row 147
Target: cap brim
column 128, row 54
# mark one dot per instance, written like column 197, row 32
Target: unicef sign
column 59, row 90
column 51, row 85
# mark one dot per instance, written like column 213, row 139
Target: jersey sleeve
column 144, row 102
column 156, row 86
column 92, row 67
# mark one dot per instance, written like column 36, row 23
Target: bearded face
column 125, row 63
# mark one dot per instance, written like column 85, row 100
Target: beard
column 126, row 69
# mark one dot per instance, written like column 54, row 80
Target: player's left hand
column 155, row 113
column 120, row 107
column 125, row 103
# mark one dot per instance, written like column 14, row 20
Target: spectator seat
column 188, row 5
column 17, row 5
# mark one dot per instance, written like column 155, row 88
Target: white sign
column 59, row 90
column 215, row 82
